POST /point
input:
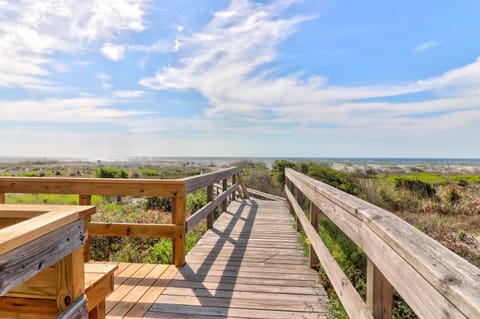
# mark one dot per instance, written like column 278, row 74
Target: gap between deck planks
column 137, row 286
column 250, row 265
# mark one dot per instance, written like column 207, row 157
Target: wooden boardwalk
column 249, row 265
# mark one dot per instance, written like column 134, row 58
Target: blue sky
column 240, row 78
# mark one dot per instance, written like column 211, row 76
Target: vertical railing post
column 209, row 199
column 178, row 218
column 379, row 293
column 300, row 199
column 289, row 185
column 2, row 198
column 314, row 215
column 234, row 181
column 86, row 200
column 224, row 202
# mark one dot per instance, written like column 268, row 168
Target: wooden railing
column 46, row 242
column 433, row 281
column 177, row 190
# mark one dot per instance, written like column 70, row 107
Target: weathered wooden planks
column 435, row 282
column 197, row 182
column 91, row 186
column 22, row 263
column 49, row 219
column 137, row 287
column 135, row 230
column 249, row 265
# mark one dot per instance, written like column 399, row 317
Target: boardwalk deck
column 249, row 265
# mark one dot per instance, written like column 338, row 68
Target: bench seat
column 28, row 303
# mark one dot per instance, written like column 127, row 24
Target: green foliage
column 53, row 199
column 161, row 252
column 415, row 186
column 350, row 258
column 278, row 170
column 29, row 174
column 162, row 203
column 149, row 172
column 108, row 172
column 328, row 175
column 196, row 200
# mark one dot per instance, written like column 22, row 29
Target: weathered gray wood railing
column 45, row 241
column 177, row 190
column 435, row 282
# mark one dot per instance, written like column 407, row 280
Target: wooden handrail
column 196, row 182
column 195, row 218
column 435, row 282
column 176, row 189
column 91, row 186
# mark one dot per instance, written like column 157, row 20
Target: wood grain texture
column 55, row 217
column 261, row 195
column 91, row 186
column 18, row 265
column 135, row 230
column 178, row 218
column 197, row 182
column 434, row 281
column 233, row 271
column 379, row 293
column 78, row 309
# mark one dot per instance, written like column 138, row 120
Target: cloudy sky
column 326, row 78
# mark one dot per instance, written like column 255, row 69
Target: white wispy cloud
column 128, row 93
column 222, row 62
column 32, row 32
column 69, row 110
column 104, row 80
column 425, row 46
column 116, row 52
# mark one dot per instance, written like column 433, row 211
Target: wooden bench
column 37, row 297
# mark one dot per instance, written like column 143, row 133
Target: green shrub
column 196, row 200
column 415, row 186
column 278, row 170
column 29, row 174
column 149, row 172
column 108, row 172
column 330, row 176
column 162, row 203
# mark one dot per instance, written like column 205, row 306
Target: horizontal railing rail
column 433, row 281
column 176, row 189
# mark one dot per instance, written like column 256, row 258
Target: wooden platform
column 248, row 266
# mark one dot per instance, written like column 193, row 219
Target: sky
column 280, row 78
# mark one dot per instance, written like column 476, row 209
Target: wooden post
column 86, row 200
column 209, row 199
column 178, row 218
column 224, row 188
column 2, row 198
column 314, row 214
column 379, row 293
column 300, row 200
column 234, row 181
column 70, row 279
